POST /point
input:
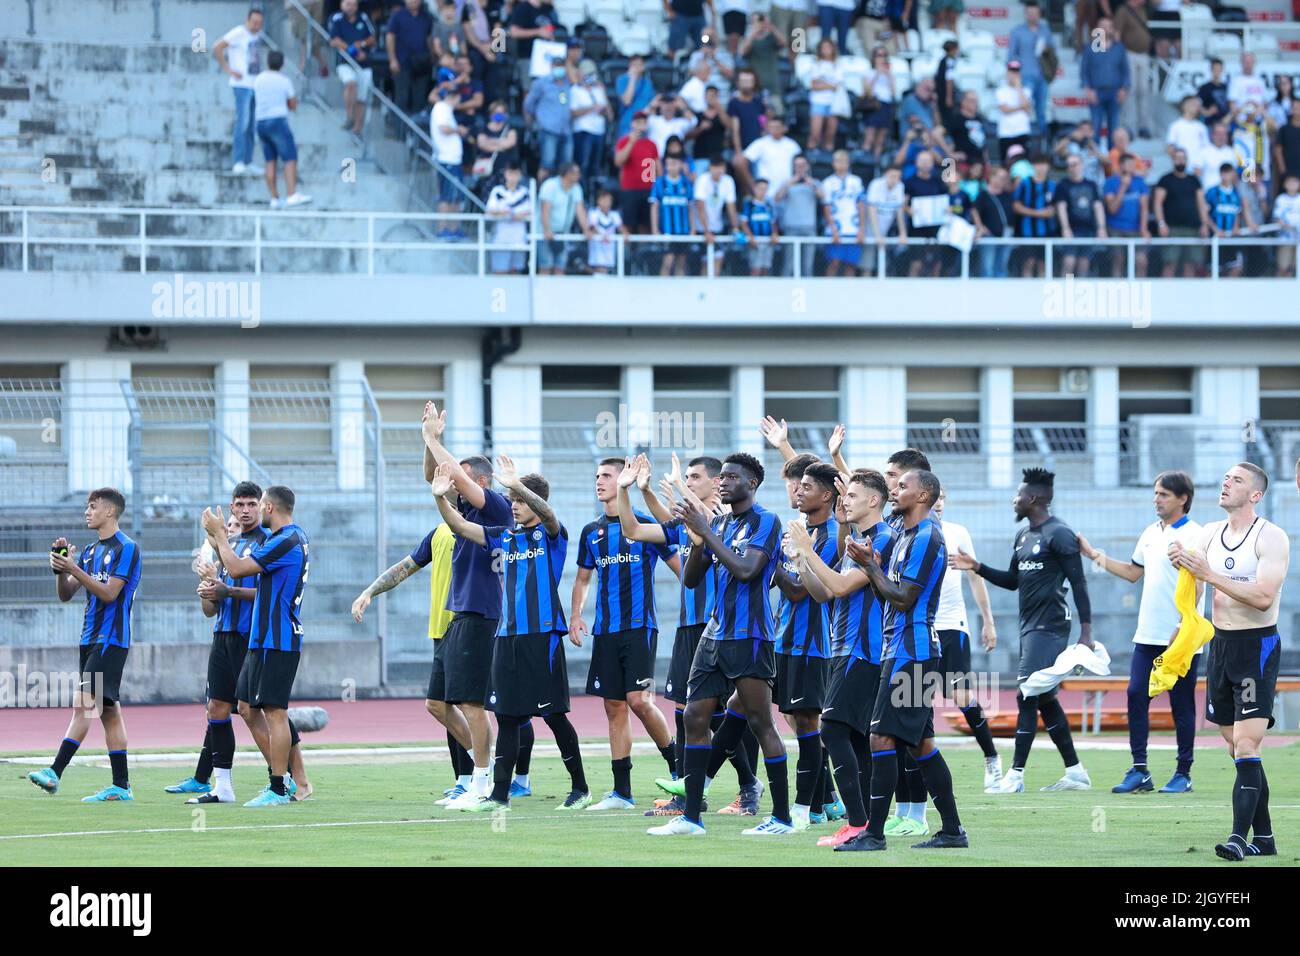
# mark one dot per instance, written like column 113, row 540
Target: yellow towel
column 1193, row 633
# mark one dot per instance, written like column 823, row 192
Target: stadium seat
column 606, row 12
column 803, row 64
column 597, row 44
column 932, row 41
column 662, row 73
column 571, row 12
column 611, row 68
column 1226, row 46
column 633, row 39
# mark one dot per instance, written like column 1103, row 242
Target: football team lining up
column 870, row 626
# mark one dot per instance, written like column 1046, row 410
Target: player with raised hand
column 529, row 676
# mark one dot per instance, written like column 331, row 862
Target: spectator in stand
column 1166, row 37
column 722, row 65
column 715, row 208
column 968, row 130
column 497, row 142
column 1037, row 215
column 1119, row 146
column 409, row 44
column 448, row 32
column 697, row 83
column 994, row 212
column 1188, row 132
column 635, row 92
column 771, row 156
column 902, row 17
column 448, row 152
column 945, row 84
column 799, row 204
column 1104, row 72
column 274, row 99
column 1026, row 46
column 871, row 23
column 240, row 54
column 711, row 136
column 1250, row 138
column 886, row 203
column 845, row 198
column 787, row 17
column 1279, row 108
column 1205, row 164
column 1081, row 216
column 1018, row 164
column 637, row 159
column 686, row 23
column 561, row 205
column 573, row 60
column 1229, row 217
column 547, row 110
column 1132, row 31
column 591, row 113
column 606, row 226
column 1286, row 213
column 676, row 146
column 920, row 187
column 669, row 116
column 1213, row 94
column 1082, row 142
column 1286, row 149
column 919, row 102
column 972, row 178
column 1014, row 123
column 530, row 20
column 836, row 16
column 1127, row 199
column 735, row 20
column 1246, row 87
column 825, row 84
column 354, row 34
column 917, row 142
column 1181, row 213
column 472, row 94
column 762, row 49
column 758, row 222
column 478, row 34
column 748, row 110
column 670, row 214
column 509, row 206
column 879, row 95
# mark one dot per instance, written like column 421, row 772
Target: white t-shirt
column 245, row 54
column 715, row 197
column 583, row 97
column 660, row 129
column 1157, row 614
column 509, row 202
column 843, row 193
column 1190, row 136
column 1247, row 89
column 828, row 72
column 447, row 147
column 1016, row 123
column 773, row 160
column 951, row 613
column 1286, row 210
column 1206, row 163
column 602, row 247
column 886, row 202
column 880, row 84
column 272, row 92
column 692, row 92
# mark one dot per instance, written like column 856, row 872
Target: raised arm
column 508, row 475
column 835, row 445
column 777, row 435
column 1130, row 571
column 459, row 524
column 433, row 426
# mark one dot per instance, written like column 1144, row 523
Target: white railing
column 462, row 244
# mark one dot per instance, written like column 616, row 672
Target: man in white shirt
column 954, row 640
column 1206, row 163
column 669, row 116
column 886, row 200
column 694, row 88
column 714, row 195
column 845, row 212
column 1158, row 621
column 274, row 99
column 771, row 156
column 1246, row 87
column 448, row 151
column 240, row 54
column 1188, row 131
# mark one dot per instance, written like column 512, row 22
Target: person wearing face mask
column 591, row 113
column 548, row 109
column 1181, row 213
column 497, row 142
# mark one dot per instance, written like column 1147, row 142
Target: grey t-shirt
column 799, row 209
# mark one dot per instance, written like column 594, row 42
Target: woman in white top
column 824, row 83
column 878, row 88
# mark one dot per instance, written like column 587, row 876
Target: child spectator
column 670, row 214
column 1033, row 204
column 606, row 226
column 758, row 222
column 510, row 207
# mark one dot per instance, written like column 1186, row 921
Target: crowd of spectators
column 715, row 142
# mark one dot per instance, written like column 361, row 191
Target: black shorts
column 905, row 700
column 622, row 663
column 734, row 23
column 467, row 657
column 1039, row 649
column 954, row 649
column 719, row 664
column 101, row 666
column 225, row 661
column 685, row 641
column 266, row 679
column 530, row 677
column 634, row 207
column 800, row 682
column 1241, row 675
column 438, row 674
column 851, row 692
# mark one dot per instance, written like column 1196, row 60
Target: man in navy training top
column 109, row 570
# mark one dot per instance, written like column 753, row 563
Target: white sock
column 904, row 809
column 482, row 783
column 800, row 810
column 223, row 785
column 1075, row 769
column 463, row 780
column 917, row 812
column 707, row 782
column 521, row 779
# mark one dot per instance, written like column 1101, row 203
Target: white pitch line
column 259, row 826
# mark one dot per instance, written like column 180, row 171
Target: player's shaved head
column 282, row 497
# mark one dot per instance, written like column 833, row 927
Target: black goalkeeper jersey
column 1044, row 566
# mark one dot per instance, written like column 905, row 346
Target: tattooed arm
column 390, row 579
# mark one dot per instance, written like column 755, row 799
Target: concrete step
column 130, row 22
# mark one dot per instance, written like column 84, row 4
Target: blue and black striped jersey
column 625, row 574
column 673, row 197
column 859, row 628
column 236, row 617
column 740, row 608
column 531, row 563
column 804, row 627
column 920, row 557
column 284, row 560
column 109, row 622
column 697, row 602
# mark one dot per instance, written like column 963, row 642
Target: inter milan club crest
column 1229, row 563
column 537, row 534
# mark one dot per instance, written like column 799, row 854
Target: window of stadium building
column 31, row 400
column 176, row 403
column 290, row 413
column 1154, row 391
column 574, row 397
column 1279, row 393
column 400, row 392
column 943, row 409
column 692, row 407
column 1050, row 409
column 806, row 396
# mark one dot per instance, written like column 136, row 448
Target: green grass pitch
column 380, row 811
